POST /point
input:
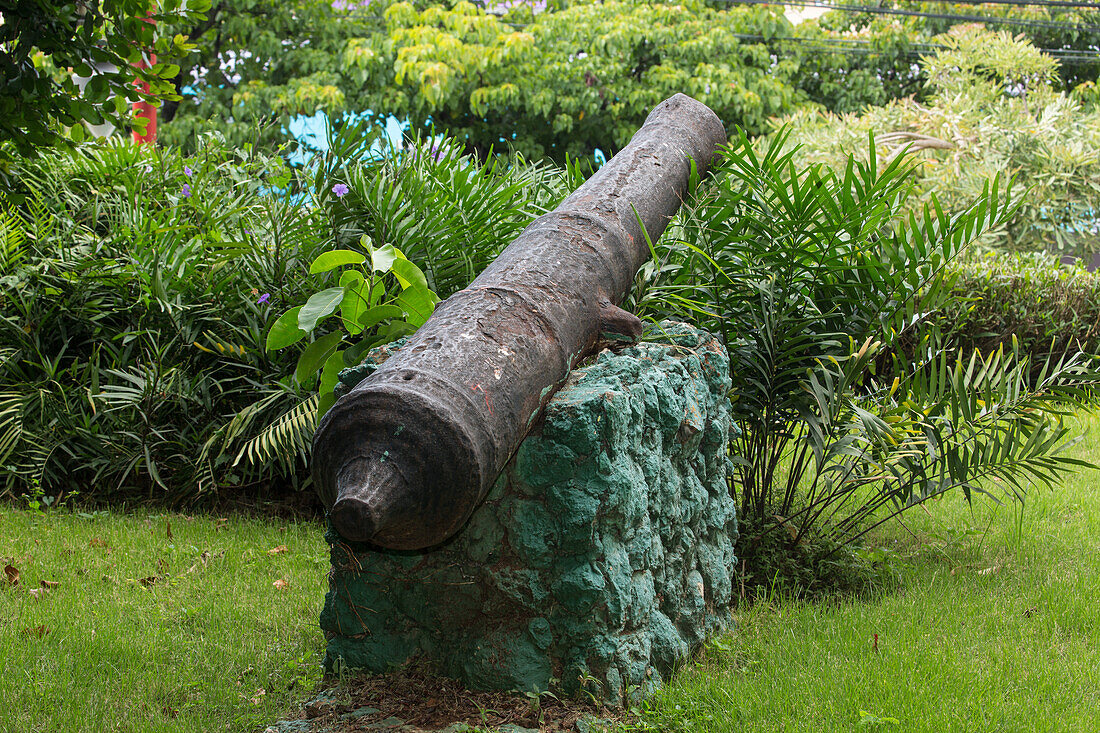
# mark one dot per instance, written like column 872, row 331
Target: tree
column 566, row 82
column 1073, row 33
column 993, row 107
column 43, row 45
column 544, row 82
column 257, row 64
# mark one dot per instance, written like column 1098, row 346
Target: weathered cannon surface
column 404, row 458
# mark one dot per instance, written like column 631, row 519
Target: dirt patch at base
column 423, row 702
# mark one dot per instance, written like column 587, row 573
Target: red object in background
column 145, row 109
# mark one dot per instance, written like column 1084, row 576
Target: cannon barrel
column 403, row 459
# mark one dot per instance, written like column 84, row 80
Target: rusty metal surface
column 404, row 458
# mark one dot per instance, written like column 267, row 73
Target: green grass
column 994, row 625
column 151, row 633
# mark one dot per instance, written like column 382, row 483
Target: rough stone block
column 601, row 558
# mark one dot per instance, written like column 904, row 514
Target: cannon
column 405, row 457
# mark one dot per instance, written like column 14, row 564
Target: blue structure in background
column 312, row 133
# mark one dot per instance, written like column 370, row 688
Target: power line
column 1017, row 22
column 914, row 49
column 1019, row 4
column 1070, row 55
column 919, row 49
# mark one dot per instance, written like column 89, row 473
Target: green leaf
column 382, row 258
column 319, row 307
column 418, row 303
column 285, row 330
column 355, row 300
column 97, row 89
column 330, row 375
column 373, row 316
column 408, row 274
column 315, row 355
column 166, row 71
column 336, row 258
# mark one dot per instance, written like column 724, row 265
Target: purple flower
column 187, row 171
column 263, row 299
column 340, row 190
column 186, row 192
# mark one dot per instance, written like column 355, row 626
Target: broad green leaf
column 285, row 330
column 354, row 355
column 418, row 303
column 319, row 307
column 97, row 89
column 382, row 258
column 330, row 375
column 336, row 258
column 408, row 274
column 315, row 355
column 395, row 330
column 355, row 300
column 324, row 403
column 377, row 314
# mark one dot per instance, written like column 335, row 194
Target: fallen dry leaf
column 204, row 558
column 38, row 631
column 97, row 542
column 169, row 527
column 277, row 550
column 147, row 582
column 281, row 584
column 47, row 584
column 38, row 592
column 11, row 574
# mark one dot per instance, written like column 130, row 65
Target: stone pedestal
column 601, row 558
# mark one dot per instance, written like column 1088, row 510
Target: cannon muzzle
column 403, row 459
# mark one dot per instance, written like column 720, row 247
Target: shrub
column 993, row 109
column 1052, row 310
column 811, row 275
column 134, row 313
column 137, row 288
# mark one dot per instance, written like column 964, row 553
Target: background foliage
column 569, row 77
column 137, row 288
column 992, row 109
column 43, row 45
column 1050, row 309
column 828, row 288
column 256, row 64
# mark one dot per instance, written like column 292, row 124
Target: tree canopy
column 993, row 107
column 562, row 79
column 44, row 46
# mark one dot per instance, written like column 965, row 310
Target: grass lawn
column 993, row 624
column 146, row 631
